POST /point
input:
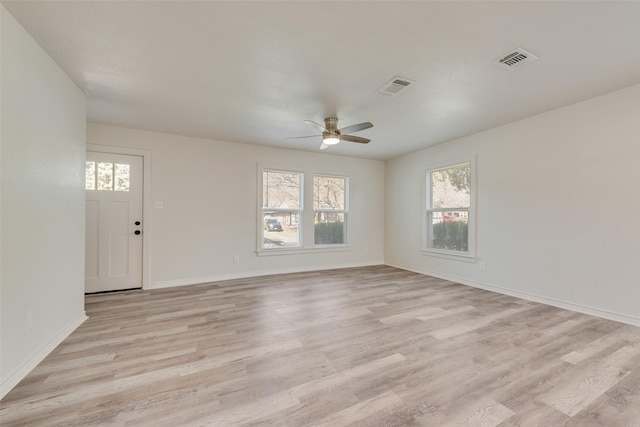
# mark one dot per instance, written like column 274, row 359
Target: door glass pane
column 105, row 176
column 90, row 176
column 121, row 177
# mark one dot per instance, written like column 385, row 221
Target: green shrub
column 451, row 235
column 328, row 233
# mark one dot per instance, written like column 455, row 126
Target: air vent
column 395, row 86
column 515, row 59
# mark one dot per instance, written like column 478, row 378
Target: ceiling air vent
column 515, row 59
column 395, row 86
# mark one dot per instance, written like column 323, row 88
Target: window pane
column 329, row 228
column 281, row 190
column 451, row 216
column 450, row 230
column 105, row 176
column 121, row 177
column 450, row 187
column 90, row 176
column 328, row 192
column 281, row 229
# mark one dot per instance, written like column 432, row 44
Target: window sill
column 296, row 251
column 449, row 255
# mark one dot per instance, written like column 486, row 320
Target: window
column 107, row 176
column 329, row 210
column 449, row 209
column 301, row 212
column 281, row 208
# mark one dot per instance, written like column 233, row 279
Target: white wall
column 209, row 191
column 42, row 215
column 558, row 207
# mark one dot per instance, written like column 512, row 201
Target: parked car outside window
column 272, row 224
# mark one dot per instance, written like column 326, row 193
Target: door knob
column 137, row 232
column 137, row 223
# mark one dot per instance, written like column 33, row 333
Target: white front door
column 113, row 241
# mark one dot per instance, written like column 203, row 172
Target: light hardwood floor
column 374, row 346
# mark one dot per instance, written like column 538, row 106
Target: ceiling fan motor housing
column 331, row 123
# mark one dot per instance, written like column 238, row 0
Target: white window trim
column 298, row 251
column 306, row 210
column 470, row 255
column 344, row 211
column 261, row 209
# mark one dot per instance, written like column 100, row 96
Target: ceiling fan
column 331, row 135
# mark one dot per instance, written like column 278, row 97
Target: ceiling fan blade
column 324, row 146
column 352, row 138
column 356, row 128
column 315, row 125
column 301, row 137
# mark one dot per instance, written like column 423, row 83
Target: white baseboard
column 623, row 318
column 249, row 274
column 24, row 369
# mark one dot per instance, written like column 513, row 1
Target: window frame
column 306, row 212
column 428, row 209
column 344, row 211
column 262, row 209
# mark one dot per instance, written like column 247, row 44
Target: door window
column 103, row 176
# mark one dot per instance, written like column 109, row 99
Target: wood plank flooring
column 374, row 346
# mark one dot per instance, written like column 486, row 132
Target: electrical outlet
column 236, row 259
column 158, row 205
column 482, row 265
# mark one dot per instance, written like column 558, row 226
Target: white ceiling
column 252, row 72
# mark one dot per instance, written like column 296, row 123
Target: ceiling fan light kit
column 331, row 135
column 330, row 138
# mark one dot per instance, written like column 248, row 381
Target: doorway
column 113, row 239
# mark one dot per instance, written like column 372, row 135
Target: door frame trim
column 147, row 204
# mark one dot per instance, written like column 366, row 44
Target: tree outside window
column 107, row 176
